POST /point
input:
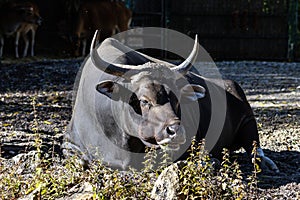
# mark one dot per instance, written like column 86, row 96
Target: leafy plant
column 48, row 177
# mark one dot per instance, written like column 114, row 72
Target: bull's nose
column 172, row 129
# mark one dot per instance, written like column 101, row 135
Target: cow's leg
column 26, row 41
column 17, row 44
column 246, row 136
column 84, row 42
column 1, row 46
column 77, row 48
column 32, row 42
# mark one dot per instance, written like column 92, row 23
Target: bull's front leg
column 249, row 139
column 266, row 162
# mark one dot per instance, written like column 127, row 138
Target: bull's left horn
column 184, row 67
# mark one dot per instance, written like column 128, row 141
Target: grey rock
column 167, row 184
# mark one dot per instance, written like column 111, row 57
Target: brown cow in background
column 25, row 28
column 19, row 19
column 109, row 17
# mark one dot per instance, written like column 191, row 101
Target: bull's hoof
column 266, row 162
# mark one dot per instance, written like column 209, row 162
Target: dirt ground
column 39, row 95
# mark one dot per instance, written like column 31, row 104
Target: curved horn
column 102, row 64
column 184, row 67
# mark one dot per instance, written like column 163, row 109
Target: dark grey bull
column 139, row 101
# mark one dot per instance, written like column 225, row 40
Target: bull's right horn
column 125, row 71
column 102, row 64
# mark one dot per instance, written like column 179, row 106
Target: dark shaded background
column 228, row 30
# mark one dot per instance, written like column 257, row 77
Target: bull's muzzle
column 174, row 137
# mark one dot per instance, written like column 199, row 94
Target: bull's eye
column 145, row 103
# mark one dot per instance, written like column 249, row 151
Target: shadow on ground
column 288, row 163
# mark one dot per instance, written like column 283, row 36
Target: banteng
column 127, row 101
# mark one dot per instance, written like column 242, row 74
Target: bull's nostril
column 171, row 130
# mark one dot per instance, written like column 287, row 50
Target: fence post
column 292, row 28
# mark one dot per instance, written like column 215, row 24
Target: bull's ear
column 192, row 92
column 113, row 90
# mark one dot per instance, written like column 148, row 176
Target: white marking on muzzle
column 169, row 145
column 148, row 144
column 164, row 141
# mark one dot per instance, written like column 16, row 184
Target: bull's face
column 155, row 97
column 160, row 123
column 151, row 91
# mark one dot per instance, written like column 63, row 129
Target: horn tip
column 93, row 41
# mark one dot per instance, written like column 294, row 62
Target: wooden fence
column 229, row 29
